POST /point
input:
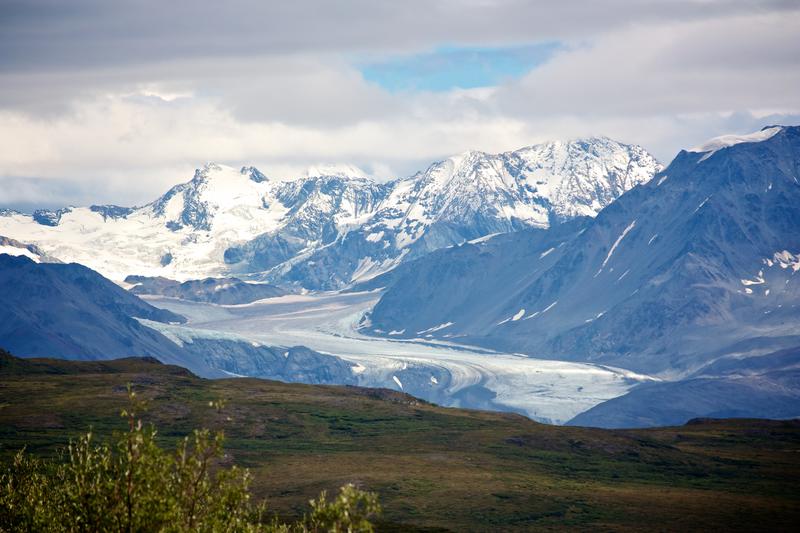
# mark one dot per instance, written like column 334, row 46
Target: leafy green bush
column 134, row 485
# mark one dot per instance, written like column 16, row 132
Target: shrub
column 133, row 484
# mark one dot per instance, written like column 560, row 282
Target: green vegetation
column 433, row 468
column 134, row 485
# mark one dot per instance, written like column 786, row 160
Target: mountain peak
column 216, row 171
column 712, row 146
column 592, row 144
column 211, row 170
column 467, row 156
column 254, row 174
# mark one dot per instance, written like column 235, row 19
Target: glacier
column 441, row 371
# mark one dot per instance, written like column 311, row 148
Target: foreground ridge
column 468, row 471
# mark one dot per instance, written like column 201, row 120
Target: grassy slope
column 433, row 467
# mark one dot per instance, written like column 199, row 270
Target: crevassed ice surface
column 447, row 373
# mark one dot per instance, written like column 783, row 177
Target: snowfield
column 447, row 373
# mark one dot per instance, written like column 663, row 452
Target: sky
column 114, row 102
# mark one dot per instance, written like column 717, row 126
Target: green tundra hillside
column 435, row 469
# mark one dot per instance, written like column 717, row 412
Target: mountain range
column 586, row 251
column 685, row 275
column 334, row 226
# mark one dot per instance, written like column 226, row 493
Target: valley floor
column 446, row 373
column 434, row 469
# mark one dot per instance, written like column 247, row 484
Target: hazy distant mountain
column 767, row 386
column 225, row 291
column 334, row 226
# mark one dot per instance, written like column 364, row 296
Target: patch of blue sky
column 451, row 67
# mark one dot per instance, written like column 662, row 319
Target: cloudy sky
column 112, row 102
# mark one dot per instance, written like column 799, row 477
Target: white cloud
column 135, row 147
column 724, row 65
column 123, row 125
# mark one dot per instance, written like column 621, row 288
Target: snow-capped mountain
column 319, row 209
column 695, row 267
column 475, row 195
column 334, row 226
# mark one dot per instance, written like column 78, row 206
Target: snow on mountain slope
column 181, row 235
column 698, row 264
column 474, row 195
column 334, row 226
column 581, row 177
column 726, row 141
column 15, row 248
column 530, row 187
